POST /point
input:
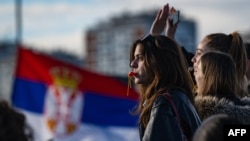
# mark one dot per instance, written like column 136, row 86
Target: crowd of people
column 217, row 85
column 13, row 124
column 175, row 103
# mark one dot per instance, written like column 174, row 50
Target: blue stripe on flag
column 108, row 111
column 29, row 95
column 98, row 109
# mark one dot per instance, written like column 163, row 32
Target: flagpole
column 18, row 8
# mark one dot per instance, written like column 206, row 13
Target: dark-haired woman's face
column 138, row 67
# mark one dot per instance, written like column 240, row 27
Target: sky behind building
column 60, row 24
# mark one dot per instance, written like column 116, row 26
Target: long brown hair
column 233, row 45
column 219, row 75
column 167, row 69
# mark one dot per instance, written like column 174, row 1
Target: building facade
column 108, row 43
column 7, row 68
column 8, row 55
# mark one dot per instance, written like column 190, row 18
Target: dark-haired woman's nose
column 133, row 64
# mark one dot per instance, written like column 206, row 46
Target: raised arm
column 162, row 22
column 159, row 23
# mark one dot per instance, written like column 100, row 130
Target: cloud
column 7, row 21
column 224, row 17
column 71, row 42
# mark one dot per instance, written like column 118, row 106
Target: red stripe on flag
column 36, row 66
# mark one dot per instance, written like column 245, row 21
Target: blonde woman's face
column 199, row 76
column 138, row 67
column 201, row 49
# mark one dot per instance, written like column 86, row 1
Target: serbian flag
column 67, row 103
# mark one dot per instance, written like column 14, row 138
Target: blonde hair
column 233, row 45
column 219, row 75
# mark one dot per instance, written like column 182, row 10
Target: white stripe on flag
column 85, row 132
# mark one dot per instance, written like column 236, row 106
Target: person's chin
column 137, row 81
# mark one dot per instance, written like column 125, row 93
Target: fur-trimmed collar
column 210, row 105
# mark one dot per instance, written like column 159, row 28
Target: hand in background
column 170, row 27
column 160, row 21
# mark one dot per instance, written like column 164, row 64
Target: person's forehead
column 203, row 48
column 138, row 49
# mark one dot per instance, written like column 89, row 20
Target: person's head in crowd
column 216, row 93
column 231, row 44
column 159, row 66
column 216, row 75
column 13, row 126
column 228, row 43
column 212, row 128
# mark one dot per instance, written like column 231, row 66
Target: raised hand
column 160, row 21
column 170, row 27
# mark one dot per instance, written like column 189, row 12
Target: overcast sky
column 60, row 24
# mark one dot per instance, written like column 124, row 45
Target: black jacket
column 163, row 125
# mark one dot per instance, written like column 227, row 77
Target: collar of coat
column 210, row 105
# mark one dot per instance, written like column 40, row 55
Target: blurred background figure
column 13, row 125
column 212, row 129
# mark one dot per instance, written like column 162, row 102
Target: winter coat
column 163, row 124
column 211, row 105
